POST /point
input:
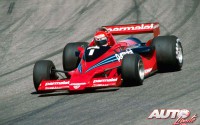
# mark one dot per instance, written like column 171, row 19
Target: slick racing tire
column 169, row 53
column 132, row 70
column 70, row 60
column 43, row 71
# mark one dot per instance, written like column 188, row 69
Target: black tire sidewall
column 42, row 71
column 70, row 60
column 130, row 70
column 165, row 47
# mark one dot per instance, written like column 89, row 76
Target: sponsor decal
column 47, row 88
column 57, row 83
column 131, row 28
column 156, row 26
column 182, row 115
column 78, row 84
column 52, row 88
column 76, row 87
column 105, row 80
column 101, row 85
column 121, row 55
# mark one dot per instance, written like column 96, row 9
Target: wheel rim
column 179, row 53
column 141, row 69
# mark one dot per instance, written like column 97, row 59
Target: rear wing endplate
column 129, row 29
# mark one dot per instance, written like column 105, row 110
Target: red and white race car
column 123, row 63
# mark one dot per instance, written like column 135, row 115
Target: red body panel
column 102, row 72
column 134, row 29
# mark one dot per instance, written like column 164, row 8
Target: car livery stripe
column 79, row 68
column 103, row 62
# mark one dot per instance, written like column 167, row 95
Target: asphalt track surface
column 31, row 30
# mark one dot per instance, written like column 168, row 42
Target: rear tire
column 70, row 60
column 169, row 53
column 42, row 71
column 132, row 70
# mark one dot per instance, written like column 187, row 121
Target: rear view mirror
column 80, row 48
column 77, row 53
column 80, row 51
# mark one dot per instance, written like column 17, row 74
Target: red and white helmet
column 101, row 38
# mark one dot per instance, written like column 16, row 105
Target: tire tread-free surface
column 166, row 53
column 42, row 71
column 130, row 70
column 70, row 60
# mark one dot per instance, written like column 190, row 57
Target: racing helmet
column 101, row 38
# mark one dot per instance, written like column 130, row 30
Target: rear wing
column 128, row 29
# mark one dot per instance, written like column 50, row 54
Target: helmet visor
column 100, row 41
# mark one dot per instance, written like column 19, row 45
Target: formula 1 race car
column 123, row 63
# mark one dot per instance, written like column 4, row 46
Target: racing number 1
column 92, row 50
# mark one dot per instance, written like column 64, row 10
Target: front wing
column 47, row 85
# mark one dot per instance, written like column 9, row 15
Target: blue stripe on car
column 79, row 68
column 103, row 62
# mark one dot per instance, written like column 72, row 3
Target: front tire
column 43, row 71
column 132, row 70
column 169, row 53
column 70, row 60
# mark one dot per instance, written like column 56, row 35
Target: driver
column 101, row 38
